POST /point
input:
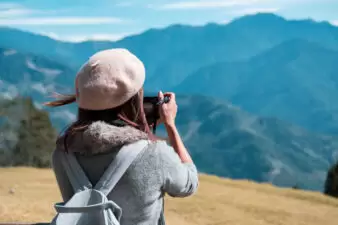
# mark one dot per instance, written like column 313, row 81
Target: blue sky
column 75, row 20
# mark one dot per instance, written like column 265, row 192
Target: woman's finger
column 170, row 94
column 160, row 95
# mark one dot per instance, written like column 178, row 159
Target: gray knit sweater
column 139, row 193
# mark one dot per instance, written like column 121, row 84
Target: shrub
column 331, row 183
column 34, row 135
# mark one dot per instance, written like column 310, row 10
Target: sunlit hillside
column 27, row 195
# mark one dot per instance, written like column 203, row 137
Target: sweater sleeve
column 63, row 182
column 179, row 179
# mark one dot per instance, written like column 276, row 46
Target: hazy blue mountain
column 226, row 141
column 39, row 75
column 29, row 43
column 295, row 81
column 35, row 76
column 172, row 53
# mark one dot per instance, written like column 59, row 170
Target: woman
column 109, row 94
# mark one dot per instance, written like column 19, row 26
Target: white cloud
column 99, row 37
column 9, row 52
column 39, row 87
column 45, row 71
column 15, row 12
column 86, row 37
column 12, row 9
column 224, row 21
column 255, row 10
column 8, row 5
column 124, row 4
column 50, row 34
column 204, row 4
column 65, row 21
column 334, row 22
column 8, row 90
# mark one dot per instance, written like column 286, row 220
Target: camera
column 151, row 109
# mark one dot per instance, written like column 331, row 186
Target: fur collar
column 101, row 137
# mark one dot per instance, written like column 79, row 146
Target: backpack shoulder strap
column 75, row 173
column 124, row 158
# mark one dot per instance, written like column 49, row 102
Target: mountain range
column 256, row 96
column 172, row 53
column 226, row 141
column 296, row 81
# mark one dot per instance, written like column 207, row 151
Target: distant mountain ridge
column 227, row 141
column 295, row 81
column 172, row 53
column 33, row 72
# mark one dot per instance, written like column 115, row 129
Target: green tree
column 35, row 136
column 331, row 183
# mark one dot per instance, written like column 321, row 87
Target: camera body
column 151, row 106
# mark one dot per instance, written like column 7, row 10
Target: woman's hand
column 168, row 110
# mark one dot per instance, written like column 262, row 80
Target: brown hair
column 130, row 113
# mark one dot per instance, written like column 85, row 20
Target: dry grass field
column 27, row 195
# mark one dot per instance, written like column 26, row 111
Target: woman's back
column 157, row 170
column 111, row 113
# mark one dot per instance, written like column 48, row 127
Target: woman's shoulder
column 152, row 154
column 162, row 152
column 160, row 146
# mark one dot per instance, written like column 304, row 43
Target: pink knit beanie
column 109, row 79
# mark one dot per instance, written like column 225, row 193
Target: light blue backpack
column 89, row 205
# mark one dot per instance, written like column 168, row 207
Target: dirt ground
column 28, row 195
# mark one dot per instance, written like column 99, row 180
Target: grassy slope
column 218, row 201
